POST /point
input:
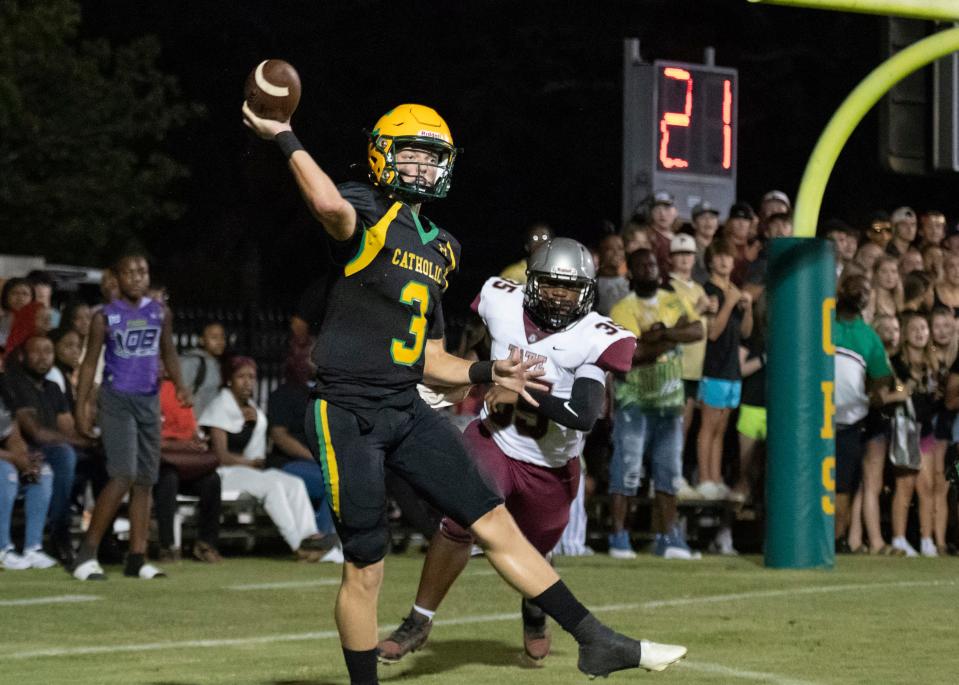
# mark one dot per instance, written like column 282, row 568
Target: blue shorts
column 637, row 433
column 720, row 393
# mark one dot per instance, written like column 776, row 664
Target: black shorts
column 691, row 389
column 943, row 424
column 417, row 444
column 876, row 425
column 850, row 444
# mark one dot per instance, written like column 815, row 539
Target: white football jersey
column 590, row 347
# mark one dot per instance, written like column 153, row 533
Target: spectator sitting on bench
column 287, row 413
column 44, row 417
column 22, row 471
column 179, row 435
column 238, row 438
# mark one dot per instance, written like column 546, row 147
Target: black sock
column 361, row 666
column 533, row 616
column 85, row 553
column 559, row 603
column 134, row 562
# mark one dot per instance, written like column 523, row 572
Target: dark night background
column 531, row 91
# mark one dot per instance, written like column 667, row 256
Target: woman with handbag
column 187, row 466
column 863, row 378
column 917, row 369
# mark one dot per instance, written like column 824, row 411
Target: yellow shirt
column 515, row 272
column 693, row 353
column 639, row 315
column 657, row 386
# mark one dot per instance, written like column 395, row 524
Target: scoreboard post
column 679, row 132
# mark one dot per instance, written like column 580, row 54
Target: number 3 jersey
column 132, row 340
column 590, row 347
column 383, row 303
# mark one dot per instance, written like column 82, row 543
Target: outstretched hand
column 518, row 375
column 264, row 128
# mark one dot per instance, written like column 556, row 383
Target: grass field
column 269, row 621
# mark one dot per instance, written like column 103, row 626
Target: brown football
column 273, row 90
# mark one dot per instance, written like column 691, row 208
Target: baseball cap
column 682, row 242
column 778, row 196
column 662, row 197
column 704, row 207
column 741, row 210
column 901, row 214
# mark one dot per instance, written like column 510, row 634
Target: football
column 273, row 90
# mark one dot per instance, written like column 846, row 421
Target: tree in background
column 82, row 125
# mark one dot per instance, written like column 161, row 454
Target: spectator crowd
column 687, row 424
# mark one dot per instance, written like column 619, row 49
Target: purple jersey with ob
column 131, row 360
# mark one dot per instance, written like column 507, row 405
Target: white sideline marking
column 285, row 585
column 466, row 620
column 720, row 670
column 323, row 582
column 56, row 599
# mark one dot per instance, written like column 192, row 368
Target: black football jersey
column 383, row 302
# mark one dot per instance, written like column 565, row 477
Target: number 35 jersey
column 383, row 302
column 593, row 341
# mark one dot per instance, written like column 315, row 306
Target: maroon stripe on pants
column 538, row 497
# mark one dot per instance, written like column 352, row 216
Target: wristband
column 288, row 143
column 481, row 372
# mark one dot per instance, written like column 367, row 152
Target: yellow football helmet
column 417, row 126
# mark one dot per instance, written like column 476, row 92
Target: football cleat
column 408, row 637
column 536, row 637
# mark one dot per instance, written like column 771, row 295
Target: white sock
column 425, row 612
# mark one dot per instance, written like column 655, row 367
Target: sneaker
column 723, row 490
column 684, row 491
column 410, row 636
column 723, row 543
column 708, row 490
column 334, row 556
column 10, row 560
column 902, row 544
column 148, row 572
column 536, row 637
column 37, row 558
column 737, row 497
column 309, row 556
column 928, row 548
column 619, row 547
column 319, row 543
column 205, row 552
column 89, row 570
column 672, row 546
column 612, row 651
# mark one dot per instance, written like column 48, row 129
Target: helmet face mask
column 561, row 285
column 417, row 128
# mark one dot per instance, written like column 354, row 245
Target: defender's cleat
column 408, row 637
column 536, row 637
